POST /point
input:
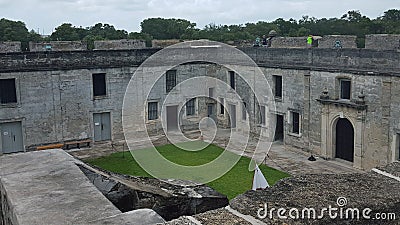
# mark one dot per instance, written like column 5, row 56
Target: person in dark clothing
column 264, row 40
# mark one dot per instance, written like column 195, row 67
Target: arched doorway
column 344, row 140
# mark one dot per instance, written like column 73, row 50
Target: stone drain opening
column 127, row 193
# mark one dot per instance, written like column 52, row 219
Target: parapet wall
column 10, row 46
column 346, row 60
column 54, row 60
column 289, row 42
column 119, row 44
column 47, row 187
column 337, row 41
column 382, row 41
column 57, row 46
column 327, row 41
column 164, row 43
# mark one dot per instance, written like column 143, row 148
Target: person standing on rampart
column 309, row 41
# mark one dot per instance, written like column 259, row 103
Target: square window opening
column 8, row 93
column 295, row 122
column 152, row 110
column 211, row 92
column 190, row 107
column 170, row 79
column 345, row 89
column 99, row 84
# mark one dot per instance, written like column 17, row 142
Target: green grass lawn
column 235, row 182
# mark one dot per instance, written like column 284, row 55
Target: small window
column 211, row 92
column 262, row 115
column 152, row 110
column 345, row 88
column 8, row 93
column 99, row 84
column 190, row 107
column 170, row 80
column 397, row 153
column 222, row 108
column 244, row 111
column 232, row 79
column 277, row 86
column 295, row 122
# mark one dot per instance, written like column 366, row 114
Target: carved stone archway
column 332, row 111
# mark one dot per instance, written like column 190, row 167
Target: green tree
column 107, row 32
column 160, row 28
column 13, row 30
column 66, row 32
column 392, row 15
column 16, row 31
column 141, row 36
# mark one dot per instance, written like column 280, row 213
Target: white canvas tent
column 259, row 181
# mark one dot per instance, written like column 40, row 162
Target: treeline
column 351, row 23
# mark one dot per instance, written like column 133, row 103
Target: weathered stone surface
column 56, row 102
column 136, row 217
column 289, row 42
column 163, row 43
column 119, row 44
column 382, row 41
column 333, row 41
column 47, row 187
column 10, row 46
column 392, row 168
column 379, row 193
column 213, row 217
column 220, row 216
column 57, row 46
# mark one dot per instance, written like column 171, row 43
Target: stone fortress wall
column 56, row 103
column 10, row 46
column 119, row 44
column 57, row 46
column 382, row 41
column 372, row 41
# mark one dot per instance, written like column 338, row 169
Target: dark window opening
column 99, row 84
column 222, row 109
column 279, row 128
column 8, row 93
column 295, row 122
column 153, row 110
column 190, row 107
column 397, row 156
column 244, row 111
column 211, row 92
column 232, row 79
column 170, row 80
column 278, row 86
column 345, row 89
column 262, row 115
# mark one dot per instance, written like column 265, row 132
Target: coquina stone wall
column 337, row 41
column 56, row 102
column 382, row 41
column 119, row 44
column 11, row 46
column 57, row 46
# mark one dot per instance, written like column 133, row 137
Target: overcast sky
column 127, row 14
